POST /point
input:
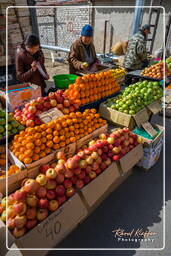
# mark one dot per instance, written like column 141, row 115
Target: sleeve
column 73, row 57
column 20, row 72
column 141, row 50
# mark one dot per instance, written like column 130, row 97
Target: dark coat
column 76, row 56
column 24, row 71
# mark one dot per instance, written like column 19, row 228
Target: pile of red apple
column 28, row 116
column 57, row 182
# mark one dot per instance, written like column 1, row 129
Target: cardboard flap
column 131, row 158
column 96, row 188
column 53, row 229
column 155, row 107
column 141, row 117
column 50, row 115
column 121, row 118
column 149, row 129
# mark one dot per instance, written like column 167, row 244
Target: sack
column 119, row 48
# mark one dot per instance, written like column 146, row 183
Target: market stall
column 66, row 157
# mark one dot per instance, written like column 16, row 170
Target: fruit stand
column 64, row 158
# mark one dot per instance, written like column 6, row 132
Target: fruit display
column 169, row 86
column 157, row 71
column 92, row 87
column 55, row 183
column 118, row 72
column 36, row 142
column 28, row 116
column 13, row 126
column 135, row 97
column 168, row 62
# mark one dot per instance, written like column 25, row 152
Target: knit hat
column 87, row 30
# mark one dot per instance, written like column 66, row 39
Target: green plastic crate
column 63, row 81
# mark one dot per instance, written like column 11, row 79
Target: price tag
column 50, row 115
column 149, row 129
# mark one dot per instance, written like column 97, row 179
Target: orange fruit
column 71, row 128
column 49, row 143
column 55, row 133
column 37, row 135
column 43, row 140
column 55, row 146
column 23, row 142
column 27, row 160
column 37, row 150
column 43, row 127
column 37, row 129
column 49, row 137
column 62, row 144
column 62, row 138
column 42, row 154
column 51, row 124
column 49, row 130
column 58, row 127
column 38, row 142
column 67, row 141
column 22, row 149
column 56, row 139
column 35, row 157
column 30, row 145
column 21, row 157
column 72, row 139
column 28, row 152
column 42, row 147
column 64, row 124
column 48, row 150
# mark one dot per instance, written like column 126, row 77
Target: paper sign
column 50, row 115
column 149, row 129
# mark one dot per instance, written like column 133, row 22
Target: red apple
column 94, row 155
column 19, row 195
column 98, row 171
column 53, row 205
column 67, row 183
column 10, row 224
column 30, row 123
column 42, row 214
column 51, row 184
column 31, row 185
column 83, row 164
column 41, row 192
column 104, row 157
column 86, row 179
column 10, row 211
column 80, row 184
column 41, row 179
column 81, row 154
column 88, row 169
column 108, row 162
column 92, row 175
column 74, row 179
column 51, row 173
column 82, row 175
column 103, row 166
column 51, row 194
column 66, row 103
column 20, row 221
column 60, row 178
column 32, row 200
column 60, row 155
column 20, row 208
column 70, row 191
column 32, row 109
column 116, row 158
column 68, row 174
column 43, row 203
column 51, row 95
column 31, row 213
column 53, row 103
column 31, row 224
column 60, row 190
column 61, row 199
column 60, row 168
column 60, row 106
column 19, row 232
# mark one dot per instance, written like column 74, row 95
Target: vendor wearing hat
column 82, row 55
column 136, row 55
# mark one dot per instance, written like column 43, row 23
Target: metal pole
column 55, row 26
column 105, row 33
column 33, row 17
column 137, row 20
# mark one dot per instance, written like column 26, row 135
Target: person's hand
column 34, row 65
column 84, row 66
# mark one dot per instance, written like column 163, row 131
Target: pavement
column 135, row 204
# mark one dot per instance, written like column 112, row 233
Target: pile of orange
column 158, row 70
column 92, row 87
column 13, row 169
column 36, row 142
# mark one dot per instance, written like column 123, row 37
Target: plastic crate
column 63, row 81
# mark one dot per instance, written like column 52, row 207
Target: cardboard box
column 116, row 117
column 151, row 155
column 152, row 149
column 130, row 159
column 155, row 107
column 20, row 97
column 94, row 134
column 92, row 192
column 53, row 229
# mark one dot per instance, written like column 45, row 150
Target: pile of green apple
column 13, row 126
column 135, row 97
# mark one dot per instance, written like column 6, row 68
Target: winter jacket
column 77, row 56
column 24, row 71
column 136, row 52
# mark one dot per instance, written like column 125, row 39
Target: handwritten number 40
column 52, row 231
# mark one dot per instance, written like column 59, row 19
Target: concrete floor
column 137, row 203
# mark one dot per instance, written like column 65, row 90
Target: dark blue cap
column 87, row 30
column 146, row 27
